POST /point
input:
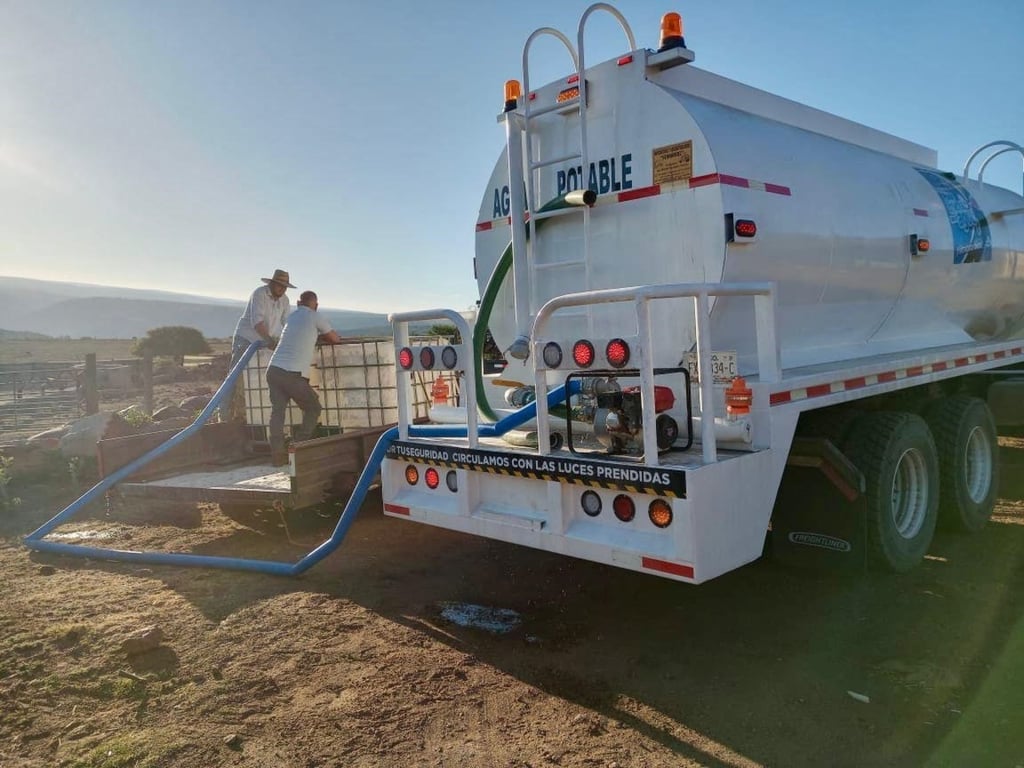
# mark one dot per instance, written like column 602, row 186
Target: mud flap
column 820, row 514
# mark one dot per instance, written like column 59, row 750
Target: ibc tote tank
column 674, row 154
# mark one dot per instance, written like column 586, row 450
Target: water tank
column 874, row 250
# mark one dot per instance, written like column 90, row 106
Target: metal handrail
column 1008, row 146
column 465, row 362
column 768, row 354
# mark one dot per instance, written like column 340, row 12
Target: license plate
column 723, row 366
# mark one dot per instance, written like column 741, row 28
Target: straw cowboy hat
column 280, row 276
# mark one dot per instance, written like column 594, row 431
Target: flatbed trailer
column 218, row 465
column 229, row 463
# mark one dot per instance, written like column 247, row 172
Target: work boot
column 278, row 453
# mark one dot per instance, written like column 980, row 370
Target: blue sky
column 195, row 146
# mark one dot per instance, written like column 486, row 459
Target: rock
column 132, row 413
column 233, row 741
column 170, row 412
column 46, row 570
column 195, row 403
column 82, row 436
column 31, row 461
column 142, row 641
column 48, row 439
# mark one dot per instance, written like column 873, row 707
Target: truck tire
column 965, row 438
column 896, row 454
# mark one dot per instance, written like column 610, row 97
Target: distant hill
column 106, row 312
column 6, row 335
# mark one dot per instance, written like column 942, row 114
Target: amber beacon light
column 513, row 90
column 671, row 32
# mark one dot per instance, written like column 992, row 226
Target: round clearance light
column 412, row 475
column 617, row 353
column 591, row 503
column 405, row 358
column 583, row 353
column 449, row 357
column 624, row 508
column 745, row 228
column 552, row 355
column 432, row 478
column 452, row 481
column 427, row 357
column 660, row 513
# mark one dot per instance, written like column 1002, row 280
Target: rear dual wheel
column 965, row 436
column 900, row 463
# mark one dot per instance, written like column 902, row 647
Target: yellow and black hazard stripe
column 606, row 474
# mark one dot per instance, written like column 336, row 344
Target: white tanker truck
column 763, row 317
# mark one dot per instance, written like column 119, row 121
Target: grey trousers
column 284, row 386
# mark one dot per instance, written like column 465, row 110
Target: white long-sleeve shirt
column 263, row 307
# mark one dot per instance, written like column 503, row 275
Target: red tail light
column 405, row 358
column 617, row 353
column 427, row 357
column 745, row 228
column 624, row 508
column 432, row 478
column 583, row 353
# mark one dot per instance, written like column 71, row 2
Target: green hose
column 480, row 329
column 487, row 304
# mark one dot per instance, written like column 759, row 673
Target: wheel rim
column 910, row 493
column 977, row 465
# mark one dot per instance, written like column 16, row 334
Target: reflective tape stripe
column 676, row 569
column 658, row 189
column 913, row 371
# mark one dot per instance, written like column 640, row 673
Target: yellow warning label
column 672, row 163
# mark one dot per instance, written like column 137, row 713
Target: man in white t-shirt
column 262, row 320
column 288, row 373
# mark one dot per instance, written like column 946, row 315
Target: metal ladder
column 535, row 163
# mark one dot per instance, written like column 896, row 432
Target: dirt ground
column 356, row 663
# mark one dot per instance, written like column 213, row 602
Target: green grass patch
column 144, row 749
column 66, row 636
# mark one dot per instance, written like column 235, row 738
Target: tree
column 172, row 341
column 445, row 330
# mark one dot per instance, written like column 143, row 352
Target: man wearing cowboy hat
column 264, row 315
column 262, row 320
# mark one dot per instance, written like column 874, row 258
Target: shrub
column 6, row 500
column 172, row 341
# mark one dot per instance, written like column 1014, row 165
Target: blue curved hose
column 36, row 541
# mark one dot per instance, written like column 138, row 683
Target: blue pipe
column 275, row 568
column 513, row 420
column 35, row 539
